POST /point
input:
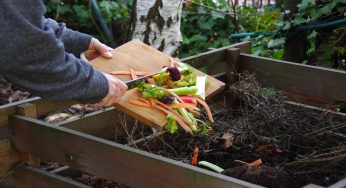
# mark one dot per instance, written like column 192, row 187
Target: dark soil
column 297, row 145
column 9, row 93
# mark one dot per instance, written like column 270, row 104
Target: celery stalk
column 211, row 166
column 192, row 90
column 200, row 84
column 185, row 114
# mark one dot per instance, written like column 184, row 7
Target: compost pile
column 296, row 145
column 10, row 93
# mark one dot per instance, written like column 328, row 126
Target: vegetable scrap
column 133, row 74
column 297, row 145
column 194, row 159
column 253, row 164
column 176, row 91
column 130, row 72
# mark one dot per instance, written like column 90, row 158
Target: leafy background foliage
column 78, row 15
column 203, row 27
column 210, row 25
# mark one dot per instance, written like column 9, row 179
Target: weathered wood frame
column 141, row 169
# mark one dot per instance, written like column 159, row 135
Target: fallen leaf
column 229, row 138
column 263, row 148
column 55, row 118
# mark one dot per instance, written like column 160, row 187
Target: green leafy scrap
column 205, row 129
column 149, row 91
column 154, row 93
column 160, row 80
column 171, row 125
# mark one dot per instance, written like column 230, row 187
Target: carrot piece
column 120, row 73
column 142, row 73
column 169, row 84
column 253, row 164
column 206, row 107
column 152, row 103
column 194, row 112
column 144, row 100
column 184, row 105
column 174, row 112
column 180, row 121
column 194, row 157
column 172, row 62
column 133, row 74
column 138, row 73
column 256, row 163
column 138, row 103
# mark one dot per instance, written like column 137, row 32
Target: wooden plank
column 19, row 102
column 29, row 177
column 8, row 157
column 318, row 81
column 4, row 113
column 43, row 107
column 139, row 56
column 213, row 62
column 114, row 161
column 103, row 124
column 216, row 56
column 341, row 183
column 233, row 65
column 315, row 108
column 29, row 110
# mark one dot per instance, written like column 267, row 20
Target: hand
column 96, row 49
column 117, row 89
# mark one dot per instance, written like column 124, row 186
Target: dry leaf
column 229, row 138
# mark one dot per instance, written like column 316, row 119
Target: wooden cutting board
column 141, row 57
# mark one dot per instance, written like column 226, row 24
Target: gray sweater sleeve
column 34, row 58
column 74, row 41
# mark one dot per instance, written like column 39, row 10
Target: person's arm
column 74, row 41
column 33, row 58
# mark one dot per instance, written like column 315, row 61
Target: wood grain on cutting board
column 141, row 57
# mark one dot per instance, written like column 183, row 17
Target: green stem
column 211, row 166
column 192, row 90
column 185, row 114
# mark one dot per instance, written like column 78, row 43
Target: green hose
column 103, row 23
column 335, row 23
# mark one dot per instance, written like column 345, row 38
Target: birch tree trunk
column 157, row 23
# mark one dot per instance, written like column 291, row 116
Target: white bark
column 157, row 24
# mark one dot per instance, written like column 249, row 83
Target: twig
column 318, row 160
column 334, row 127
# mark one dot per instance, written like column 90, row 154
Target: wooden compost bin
column 84, row 144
